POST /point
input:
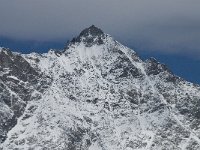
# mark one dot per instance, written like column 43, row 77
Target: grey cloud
column 169, row 26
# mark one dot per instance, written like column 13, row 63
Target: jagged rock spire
column 90, row 36
column 92, row 30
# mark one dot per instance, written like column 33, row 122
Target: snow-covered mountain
column 96, row 94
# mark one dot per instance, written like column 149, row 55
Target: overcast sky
column 171, row 26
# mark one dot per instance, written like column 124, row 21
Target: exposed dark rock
column 154, row 67
column 89, row 36
column 17, row 80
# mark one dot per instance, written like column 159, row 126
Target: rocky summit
column 96, row 94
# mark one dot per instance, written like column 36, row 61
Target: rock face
column 95, row 95
column 15, row 77
column 17, row 82
column 90, row 36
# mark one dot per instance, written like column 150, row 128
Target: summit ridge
column 90, row 36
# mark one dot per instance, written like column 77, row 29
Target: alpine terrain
column 95, row 94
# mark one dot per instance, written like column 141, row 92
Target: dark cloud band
column 172, row 26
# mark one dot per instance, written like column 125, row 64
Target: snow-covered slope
column 99, row 95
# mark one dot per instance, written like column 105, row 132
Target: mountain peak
column 90, row 36
column 92, row 31
column 95, row 97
